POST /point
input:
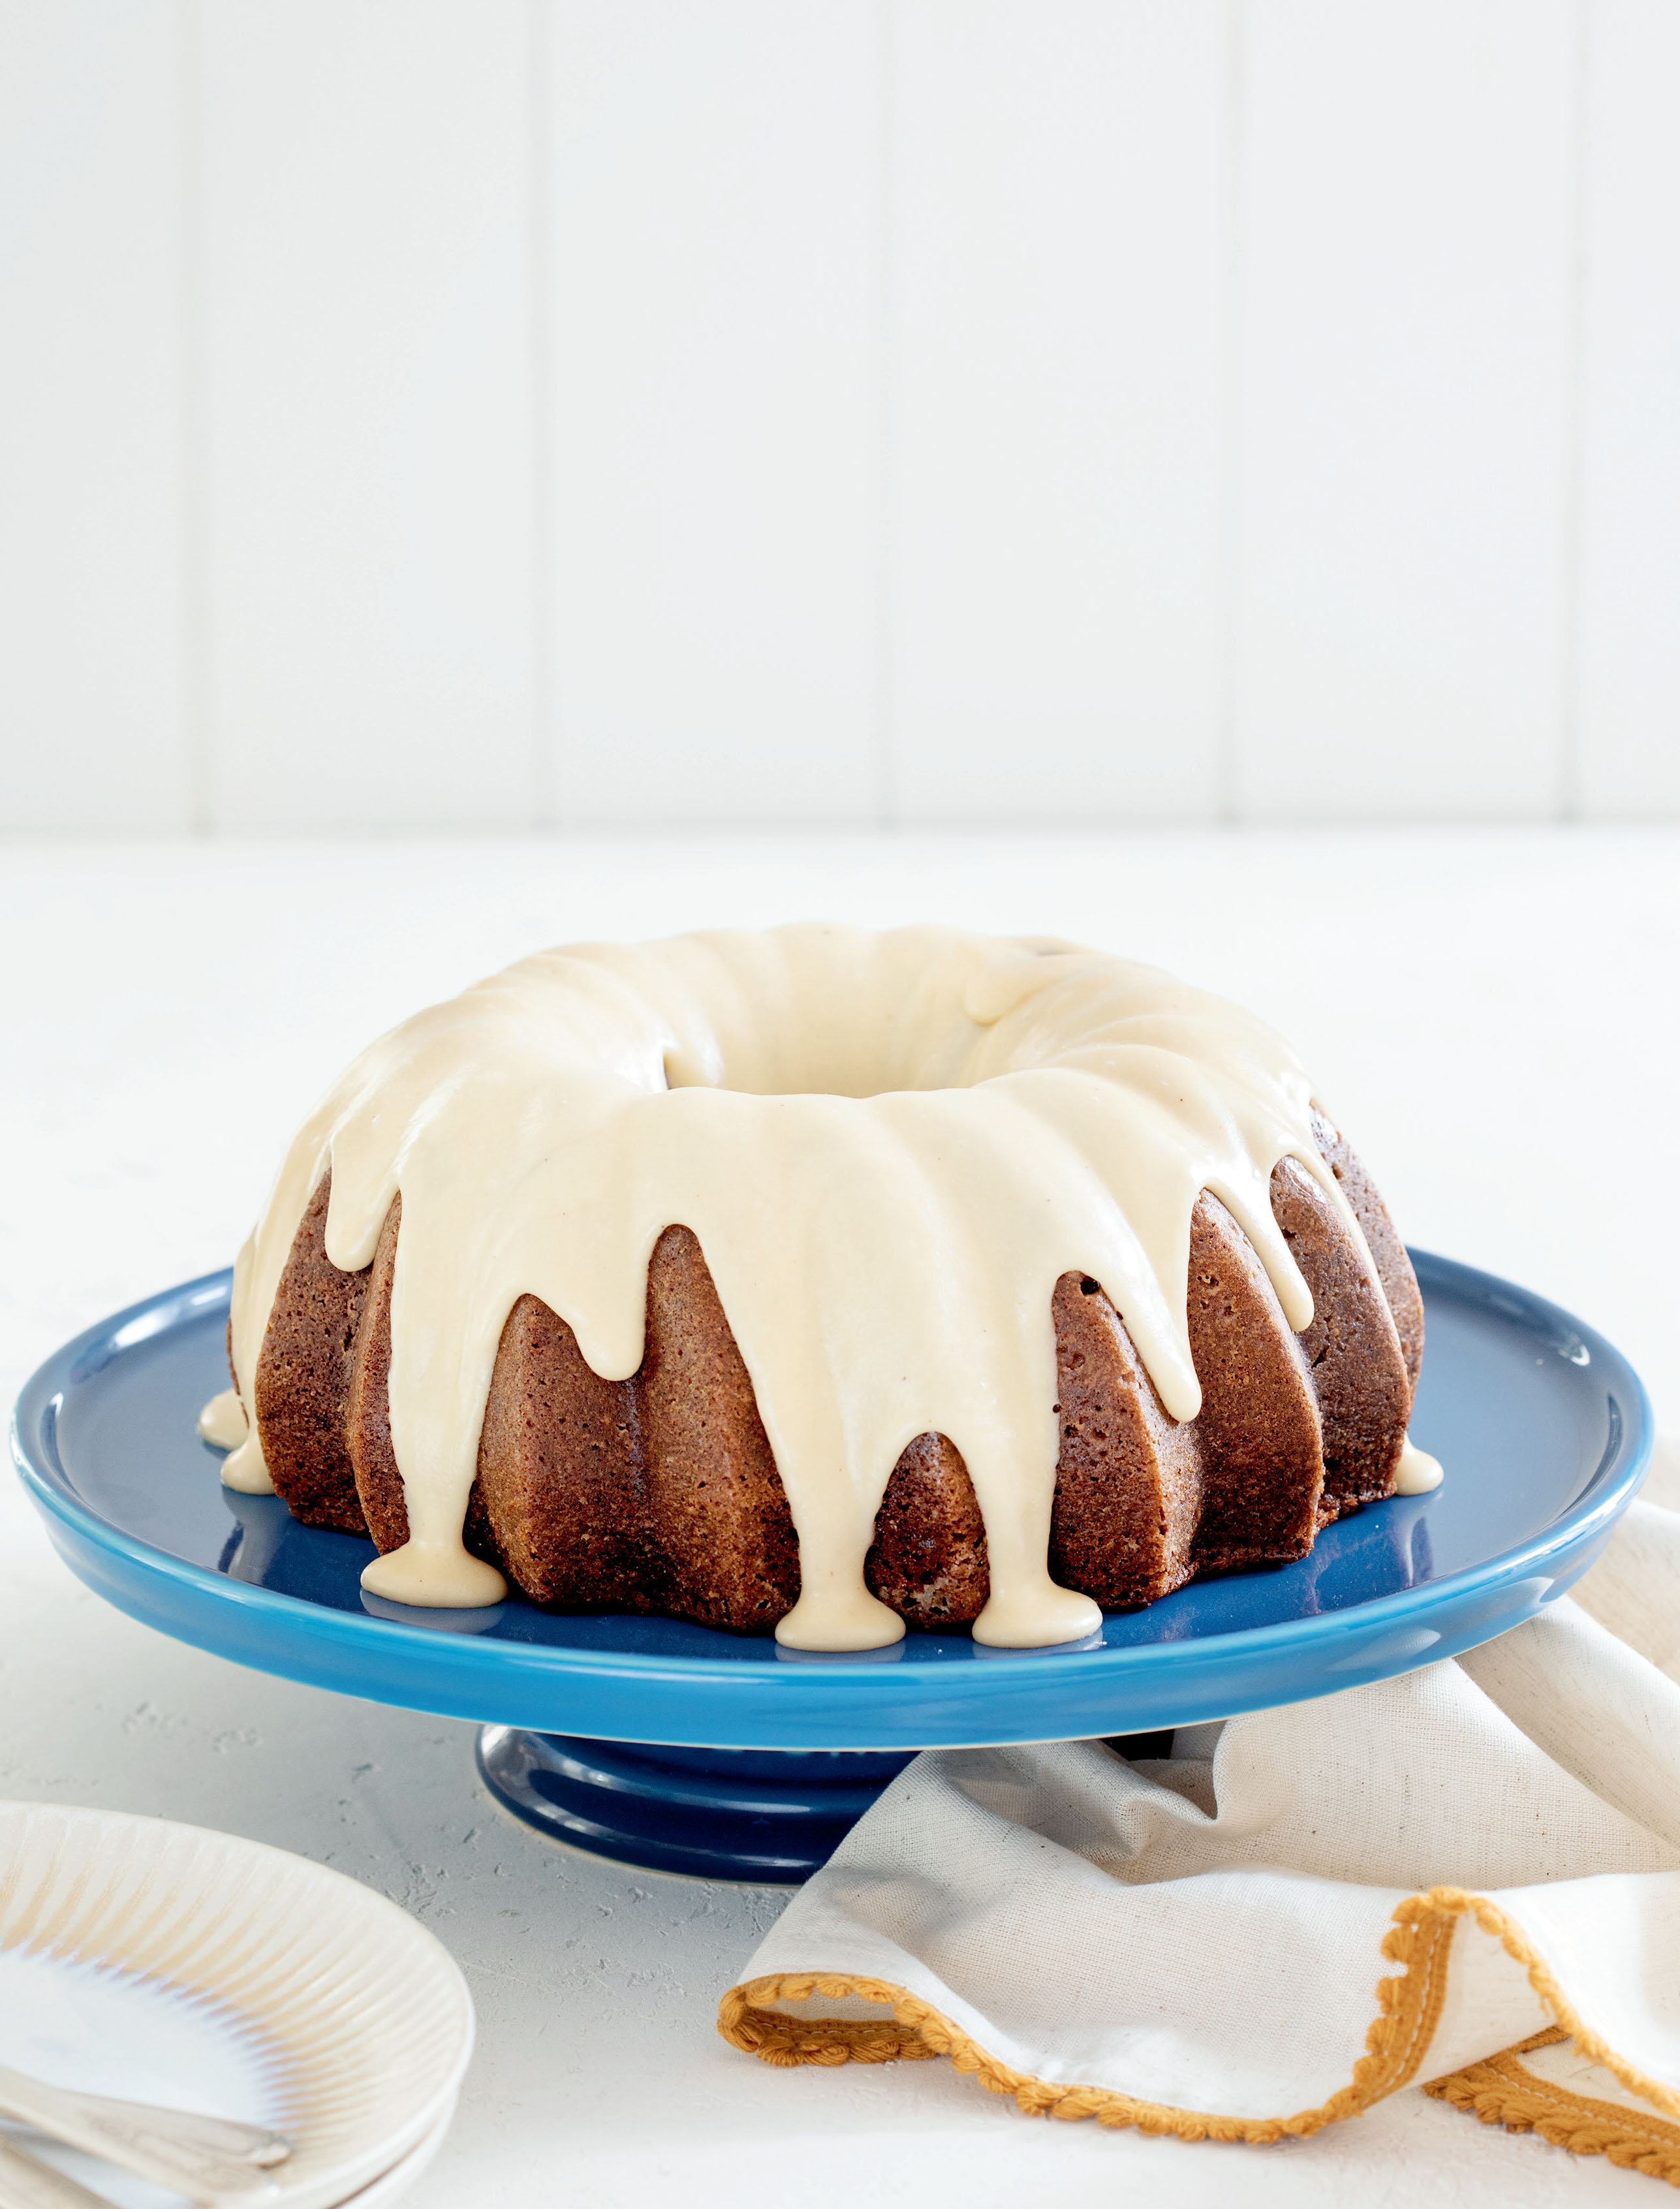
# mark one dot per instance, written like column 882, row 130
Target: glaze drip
column 890, row 1147
column 1418, row 1472
column 222, row 1422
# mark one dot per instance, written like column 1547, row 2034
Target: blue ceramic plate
column 1543, row 1427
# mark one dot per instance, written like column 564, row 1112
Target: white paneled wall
column 1404, row 556
column 96, row 638
column 492, row 412
column 1053, row 469
column 1629, row 644
column 715, row 275
column 366, row 451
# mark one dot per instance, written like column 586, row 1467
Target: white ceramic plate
column 123, row 2192
column 397, row 2179
column 161, row 1962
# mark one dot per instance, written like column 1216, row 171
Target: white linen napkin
column 1467, row 1878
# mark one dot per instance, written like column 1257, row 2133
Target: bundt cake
column 824, row 1281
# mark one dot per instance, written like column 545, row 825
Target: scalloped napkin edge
column 1466, row 1879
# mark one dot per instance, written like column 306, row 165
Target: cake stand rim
column 490, row 1681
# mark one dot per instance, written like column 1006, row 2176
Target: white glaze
column 1417, row 1471
column 245, row 1468
column 890, row 1147
column 222, row 1422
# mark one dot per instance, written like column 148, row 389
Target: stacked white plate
column 159, row 1963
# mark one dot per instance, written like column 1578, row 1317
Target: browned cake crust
column 367, row 1408
column 660, row 1493
column 1394, row 1267
column 1262, row 1447
column 929, row 1562
column 1129, row 1483
column 714, row 1499
column 1358, row 1370
column 303, row 1377
column 560, row 1465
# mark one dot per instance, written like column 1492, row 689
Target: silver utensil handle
column 212, row 2160
column 26, row 2184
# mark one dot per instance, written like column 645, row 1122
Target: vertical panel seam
column 544, row 795
column 885, row 731
column 200, row 778
column 1227, row 792
column 1571, row 610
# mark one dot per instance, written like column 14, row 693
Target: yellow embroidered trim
column 1502, row 2091
column 1408, row 2009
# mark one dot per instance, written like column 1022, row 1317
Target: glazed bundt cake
column 825, row 1282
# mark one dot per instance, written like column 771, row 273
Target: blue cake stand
column 672, row 1746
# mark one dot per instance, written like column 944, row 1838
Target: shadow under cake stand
column 675, row 1747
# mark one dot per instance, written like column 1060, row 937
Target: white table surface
column 1493, row 1015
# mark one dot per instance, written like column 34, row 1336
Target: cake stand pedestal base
column 766, row 1814
column 773, row 1815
